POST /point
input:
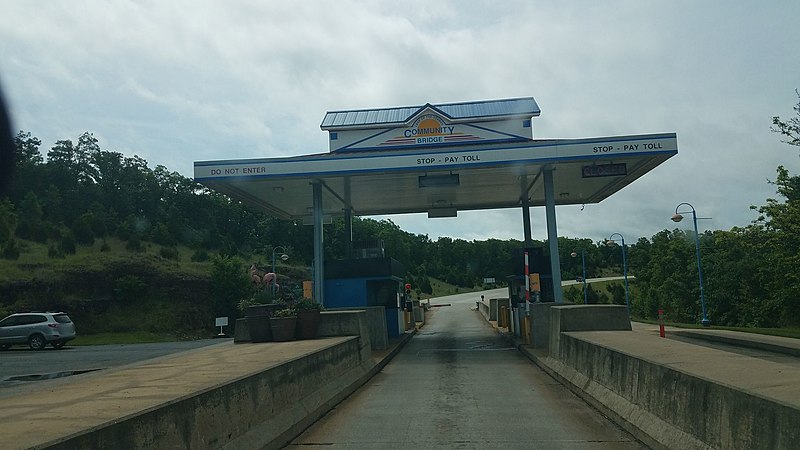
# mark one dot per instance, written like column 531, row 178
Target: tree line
column 81, row 193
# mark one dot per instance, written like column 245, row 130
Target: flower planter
column 258, row 321
column 283, row 328
column 260, row 328
column 307, row 324
column 265, row 309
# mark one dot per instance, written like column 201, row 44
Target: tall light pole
column 677, row 217
column 583, row 264
column 284, row 257
column 610, row 242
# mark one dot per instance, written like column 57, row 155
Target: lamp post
column 284, row 257
column 610, row 242
column 677, row 217
column 583, row 265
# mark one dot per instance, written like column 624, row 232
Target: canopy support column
column 552, row 233
column 348, row 222
column 319, row 262
column 526, row 210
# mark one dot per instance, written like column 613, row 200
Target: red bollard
column 661, row 323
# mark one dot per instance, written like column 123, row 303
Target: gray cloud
column 176, row 82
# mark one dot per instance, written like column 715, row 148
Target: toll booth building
column 367, row 279
column 437, row 159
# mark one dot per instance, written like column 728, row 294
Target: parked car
column 36, row 329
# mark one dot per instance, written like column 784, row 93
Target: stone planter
column 283, row 328
column 307, row 324
column 258, row 321
column 265, row 309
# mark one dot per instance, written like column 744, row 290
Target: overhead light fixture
column 450, row 179
column 327, row 219
column 437, row 213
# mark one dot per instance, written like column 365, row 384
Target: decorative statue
column 266, row 280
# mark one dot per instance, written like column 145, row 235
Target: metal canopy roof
column 470, row 177
column 464, row 111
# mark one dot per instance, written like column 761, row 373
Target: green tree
column 8, row 221
column 11, row 249
column 31, row 225
column 230, row 284
column 82, row 229
column 789, row 128
column 781, row 219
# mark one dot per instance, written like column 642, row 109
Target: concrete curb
column 739, row 342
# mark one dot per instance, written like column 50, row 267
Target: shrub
column 54, row 251
column 11, row 249
column 169, row 253
column 82, row 229
column 68, row 243
column 200, row 255
column 134, row 244
column 307, row 304
column 129, row 287
column 285, row 312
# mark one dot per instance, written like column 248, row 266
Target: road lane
column 458, row 384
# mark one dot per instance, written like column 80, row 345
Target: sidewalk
column 776, row 380
column 73, row 405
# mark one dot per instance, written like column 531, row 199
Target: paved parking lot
column 21, row 367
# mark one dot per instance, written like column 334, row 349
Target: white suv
column 36, row 330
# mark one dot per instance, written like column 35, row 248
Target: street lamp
column 284, row 257
column 677, row 217
column 583, row 264
column 610, row 242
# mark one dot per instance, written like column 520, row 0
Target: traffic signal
column 408, row 288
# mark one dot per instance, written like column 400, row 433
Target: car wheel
column 37, row 342
column 57, row 344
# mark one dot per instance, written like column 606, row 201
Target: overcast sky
column 181, row 81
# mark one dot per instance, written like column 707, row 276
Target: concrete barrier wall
column 263, row 410
column 347, row 323
column 490, row 308
column 540, row 323
column 494, row 307
column 669, row 408
column 376, row 324
column 483, row 308
column 585, row 318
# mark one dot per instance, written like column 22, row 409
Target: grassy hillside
column 111, row 289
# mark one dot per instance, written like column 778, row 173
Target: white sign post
column 221, row 322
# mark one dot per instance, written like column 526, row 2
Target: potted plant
column 308, row 312
column 257, row 311
column 283, row 323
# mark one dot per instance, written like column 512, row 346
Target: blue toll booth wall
column 366, row 282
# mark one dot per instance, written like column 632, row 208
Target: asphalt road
column 21, row 366
column 458, row 384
